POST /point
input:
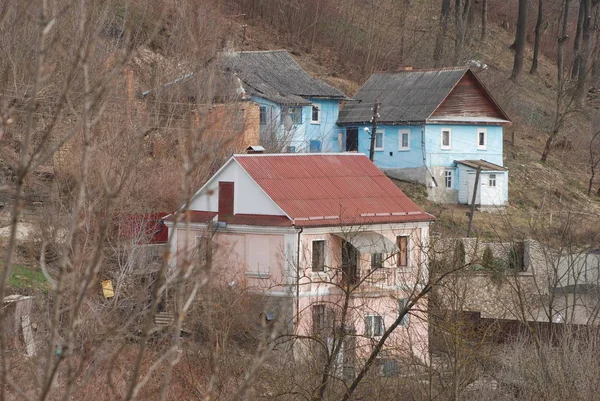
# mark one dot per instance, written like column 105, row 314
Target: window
column 315, row 115
column 318, row 256
column 404, row 137
column 389, row 367
column 314, row 146
column 446, row 138
column 373, row 326
column 376, row 261
column 402, row 257
column 448, row 178
column 263, row 115
column 379, row 140
column 492, row 180
column 402, row 303
column 319, row 317
column 295, row 114
column 482, row 138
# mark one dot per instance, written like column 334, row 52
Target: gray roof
column 405, row 96
column 276, row 76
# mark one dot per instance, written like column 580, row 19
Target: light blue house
column 436, row 127
column 298, row 113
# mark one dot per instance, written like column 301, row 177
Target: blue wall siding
column 302, row 134
column 391, row 156
column 463, row 144
column 326, row 131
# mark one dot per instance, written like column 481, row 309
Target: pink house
column 327, row 235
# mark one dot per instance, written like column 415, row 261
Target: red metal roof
column 330, row 189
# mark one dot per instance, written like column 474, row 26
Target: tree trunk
column 438, row 51
column 461, row 16
column 484, row 7
column 560, row 58
column 547, row 148
column 577, row 42
column 536, row 45
column 520, row 40
column 582, row 75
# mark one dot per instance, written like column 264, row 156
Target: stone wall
column 498, row 292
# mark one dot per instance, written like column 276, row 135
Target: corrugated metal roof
column 330, row 189
column 483, row 164
column 276, row 76
column 405, row 96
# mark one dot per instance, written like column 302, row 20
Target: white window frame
column 382, row 132
column 318, row 106
column 492, row 182
column 449, row 146
column 448, row 174
column 485, row 138
column 400, row 134
column 371, row 333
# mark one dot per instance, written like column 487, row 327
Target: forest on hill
column 114, row 113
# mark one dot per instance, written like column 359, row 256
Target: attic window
column 482, row 138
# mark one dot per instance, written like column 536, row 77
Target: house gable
column 249, row 197
column 469, row 98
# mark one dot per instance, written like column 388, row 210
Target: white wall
column 249, row 198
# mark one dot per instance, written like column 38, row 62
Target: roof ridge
column 299, row 154
column 456, row 68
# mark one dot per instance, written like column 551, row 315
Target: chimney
column 255, row 149
column 226, row 196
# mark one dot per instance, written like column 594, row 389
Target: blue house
column 298, row 112
column 435, row 127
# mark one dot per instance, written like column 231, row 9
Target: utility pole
column 472, row 212
column 374, row 131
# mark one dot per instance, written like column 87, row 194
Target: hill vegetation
column 80, row 143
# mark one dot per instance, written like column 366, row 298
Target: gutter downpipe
column 425, row 154
column 298, row 277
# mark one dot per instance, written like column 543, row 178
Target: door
column 350, row 258
column 352, row 139
column 471, row 187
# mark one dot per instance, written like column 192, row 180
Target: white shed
column 492, row 188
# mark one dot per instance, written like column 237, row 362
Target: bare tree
column 538, row 37
column 520, row 40
column 443, row 28
column 594, row 159
column 462, row 11
column 584, row 55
